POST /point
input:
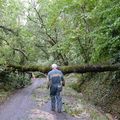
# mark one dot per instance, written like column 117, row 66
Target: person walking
column 55, row 83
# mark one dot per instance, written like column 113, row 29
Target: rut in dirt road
column 19, row 104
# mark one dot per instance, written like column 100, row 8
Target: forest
column 81, row 36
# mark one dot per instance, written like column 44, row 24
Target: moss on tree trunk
column 67, row 69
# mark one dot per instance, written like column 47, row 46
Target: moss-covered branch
column 68, row 69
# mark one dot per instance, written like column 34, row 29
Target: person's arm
column 63, row 80
column 48, row 81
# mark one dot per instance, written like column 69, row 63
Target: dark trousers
column 56, row 102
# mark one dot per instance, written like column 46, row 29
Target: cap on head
column 54, row 66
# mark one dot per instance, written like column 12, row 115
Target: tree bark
column 68, row 69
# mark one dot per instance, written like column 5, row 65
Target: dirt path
column 74, row 107
column 33, row 103
column 19, row 104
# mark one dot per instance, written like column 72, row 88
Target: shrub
column 14, row 80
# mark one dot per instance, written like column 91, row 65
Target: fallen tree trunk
column 68, row 69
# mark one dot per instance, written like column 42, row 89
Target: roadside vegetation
column 66, row 32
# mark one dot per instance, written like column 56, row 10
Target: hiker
column 55, row 83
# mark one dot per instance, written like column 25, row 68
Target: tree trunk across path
column 68, row 69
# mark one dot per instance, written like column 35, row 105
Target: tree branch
column 21, row 51
column 9, row 30
column 42, row 48
column 16, row 49
column 43, row 25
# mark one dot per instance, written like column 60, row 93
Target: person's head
column 54, row 66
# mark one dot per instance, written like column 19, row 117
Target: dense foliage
column 66, row 32
column 10, row 80
column 63, row 31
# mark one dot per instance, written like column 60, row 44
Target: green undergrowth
column 4, row 95
column 11, row 81
column 75, row 104
column 102, row 90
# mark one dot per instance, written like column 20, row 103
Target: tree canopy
column 66, row 32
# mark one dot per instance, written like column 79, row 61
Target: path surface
column 20, row 104
column 55, row 115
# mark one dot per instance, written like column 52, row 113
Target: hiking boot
column 59, row 111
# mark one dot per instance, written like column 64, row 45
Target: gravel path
column 20, row 104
